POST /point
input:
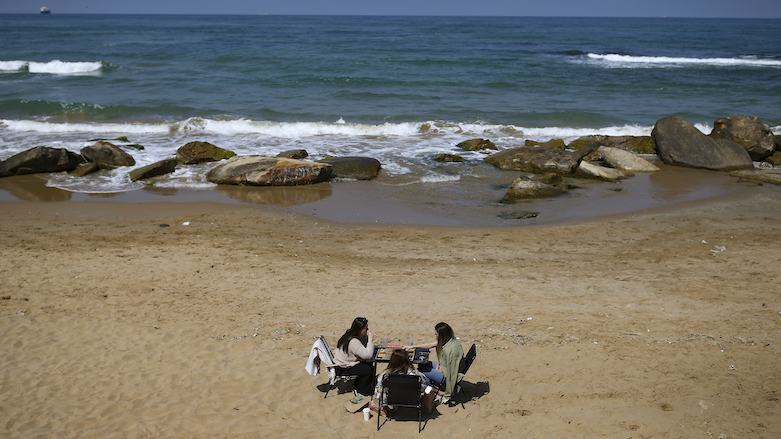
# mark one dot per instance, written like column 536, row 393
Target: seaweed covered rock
column 637, row 144
column 38, row 160
column 298, row 154
column 477, row 145
column 201, row 152
column 268, row 171
column 552, row 143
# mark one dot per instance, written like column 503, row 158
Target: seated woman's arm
column 420, row 346
column 359, row 350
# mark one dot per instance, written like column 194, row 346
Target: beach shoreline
column 196, row 319
column 460, row 203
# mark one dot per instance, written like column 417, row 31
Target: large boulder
column 359, row 168
column 40, row 159
column 193, row 153
column 536, row 160
column 601, row 172
column 620, row 159
column 268, row 171
column 162, row 167
column 748, row 131
column 638, row 144
column 107, row 155
column 679, row 143
column 477, row 145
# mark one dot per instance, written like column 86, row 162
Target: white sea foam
column 439, row 178
column 58, row 67
column 628, row 61
column 12, row 66
column 51, row 127
column 55, row 67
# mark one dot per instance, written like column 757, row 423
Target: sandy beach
column 656, row 324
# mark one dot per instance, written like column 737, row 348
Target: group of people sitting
column 356, row 348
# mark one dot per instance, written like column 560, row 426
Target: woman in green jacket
column 450, row 368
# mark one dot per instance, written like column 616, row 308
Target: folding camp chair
column 400, row 391
column 335, row 370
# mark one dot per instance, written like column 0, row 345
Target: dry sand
column 653, row 325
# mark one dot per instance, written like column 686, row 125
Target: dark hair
column 354, row 332
column 399, row 362
column 444, row 334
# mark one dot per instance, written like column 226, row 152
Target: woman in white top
column 356, row 347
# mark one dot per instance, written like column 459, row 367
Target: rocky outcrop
column 201, row 152
column 448, row 158
column 625, row 160
column 526, row 188
column 552, row 143
column 107, row 155
column 162, row 167
column 359, row 168
column 535, row 160
column 679, row 143
column 637, row 144
column 268, row 171
column 601, row 172
column 298, row 154
column 40, row 159
column 749, row 132
column 477, row 145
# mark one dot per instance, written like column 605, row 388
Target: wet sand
column 476, row 200
column 660, row 323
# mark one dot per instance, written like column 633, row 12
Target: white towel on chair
column 316, row 355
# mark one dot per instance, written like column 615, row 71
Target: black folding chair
column 336, row 372
column 400, row 391
column 468, row 360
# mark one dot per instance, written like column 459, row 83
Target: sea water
column 399, row 89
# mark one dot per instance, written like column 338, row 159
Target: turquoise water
column 400, row 89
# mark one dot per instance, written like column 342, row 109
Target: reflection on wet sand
column 30, row 188
column 280, row 196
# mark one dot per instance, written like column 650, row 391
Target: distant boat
column 45, row 10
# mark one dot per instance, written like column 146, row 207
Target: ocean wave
column 55, row 67
column 31, row 126
column 629, row 61
column 339, row 128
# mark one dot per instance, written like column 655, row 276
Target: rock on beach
column 40, row 159
column 679, row 143
column 268, row 171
